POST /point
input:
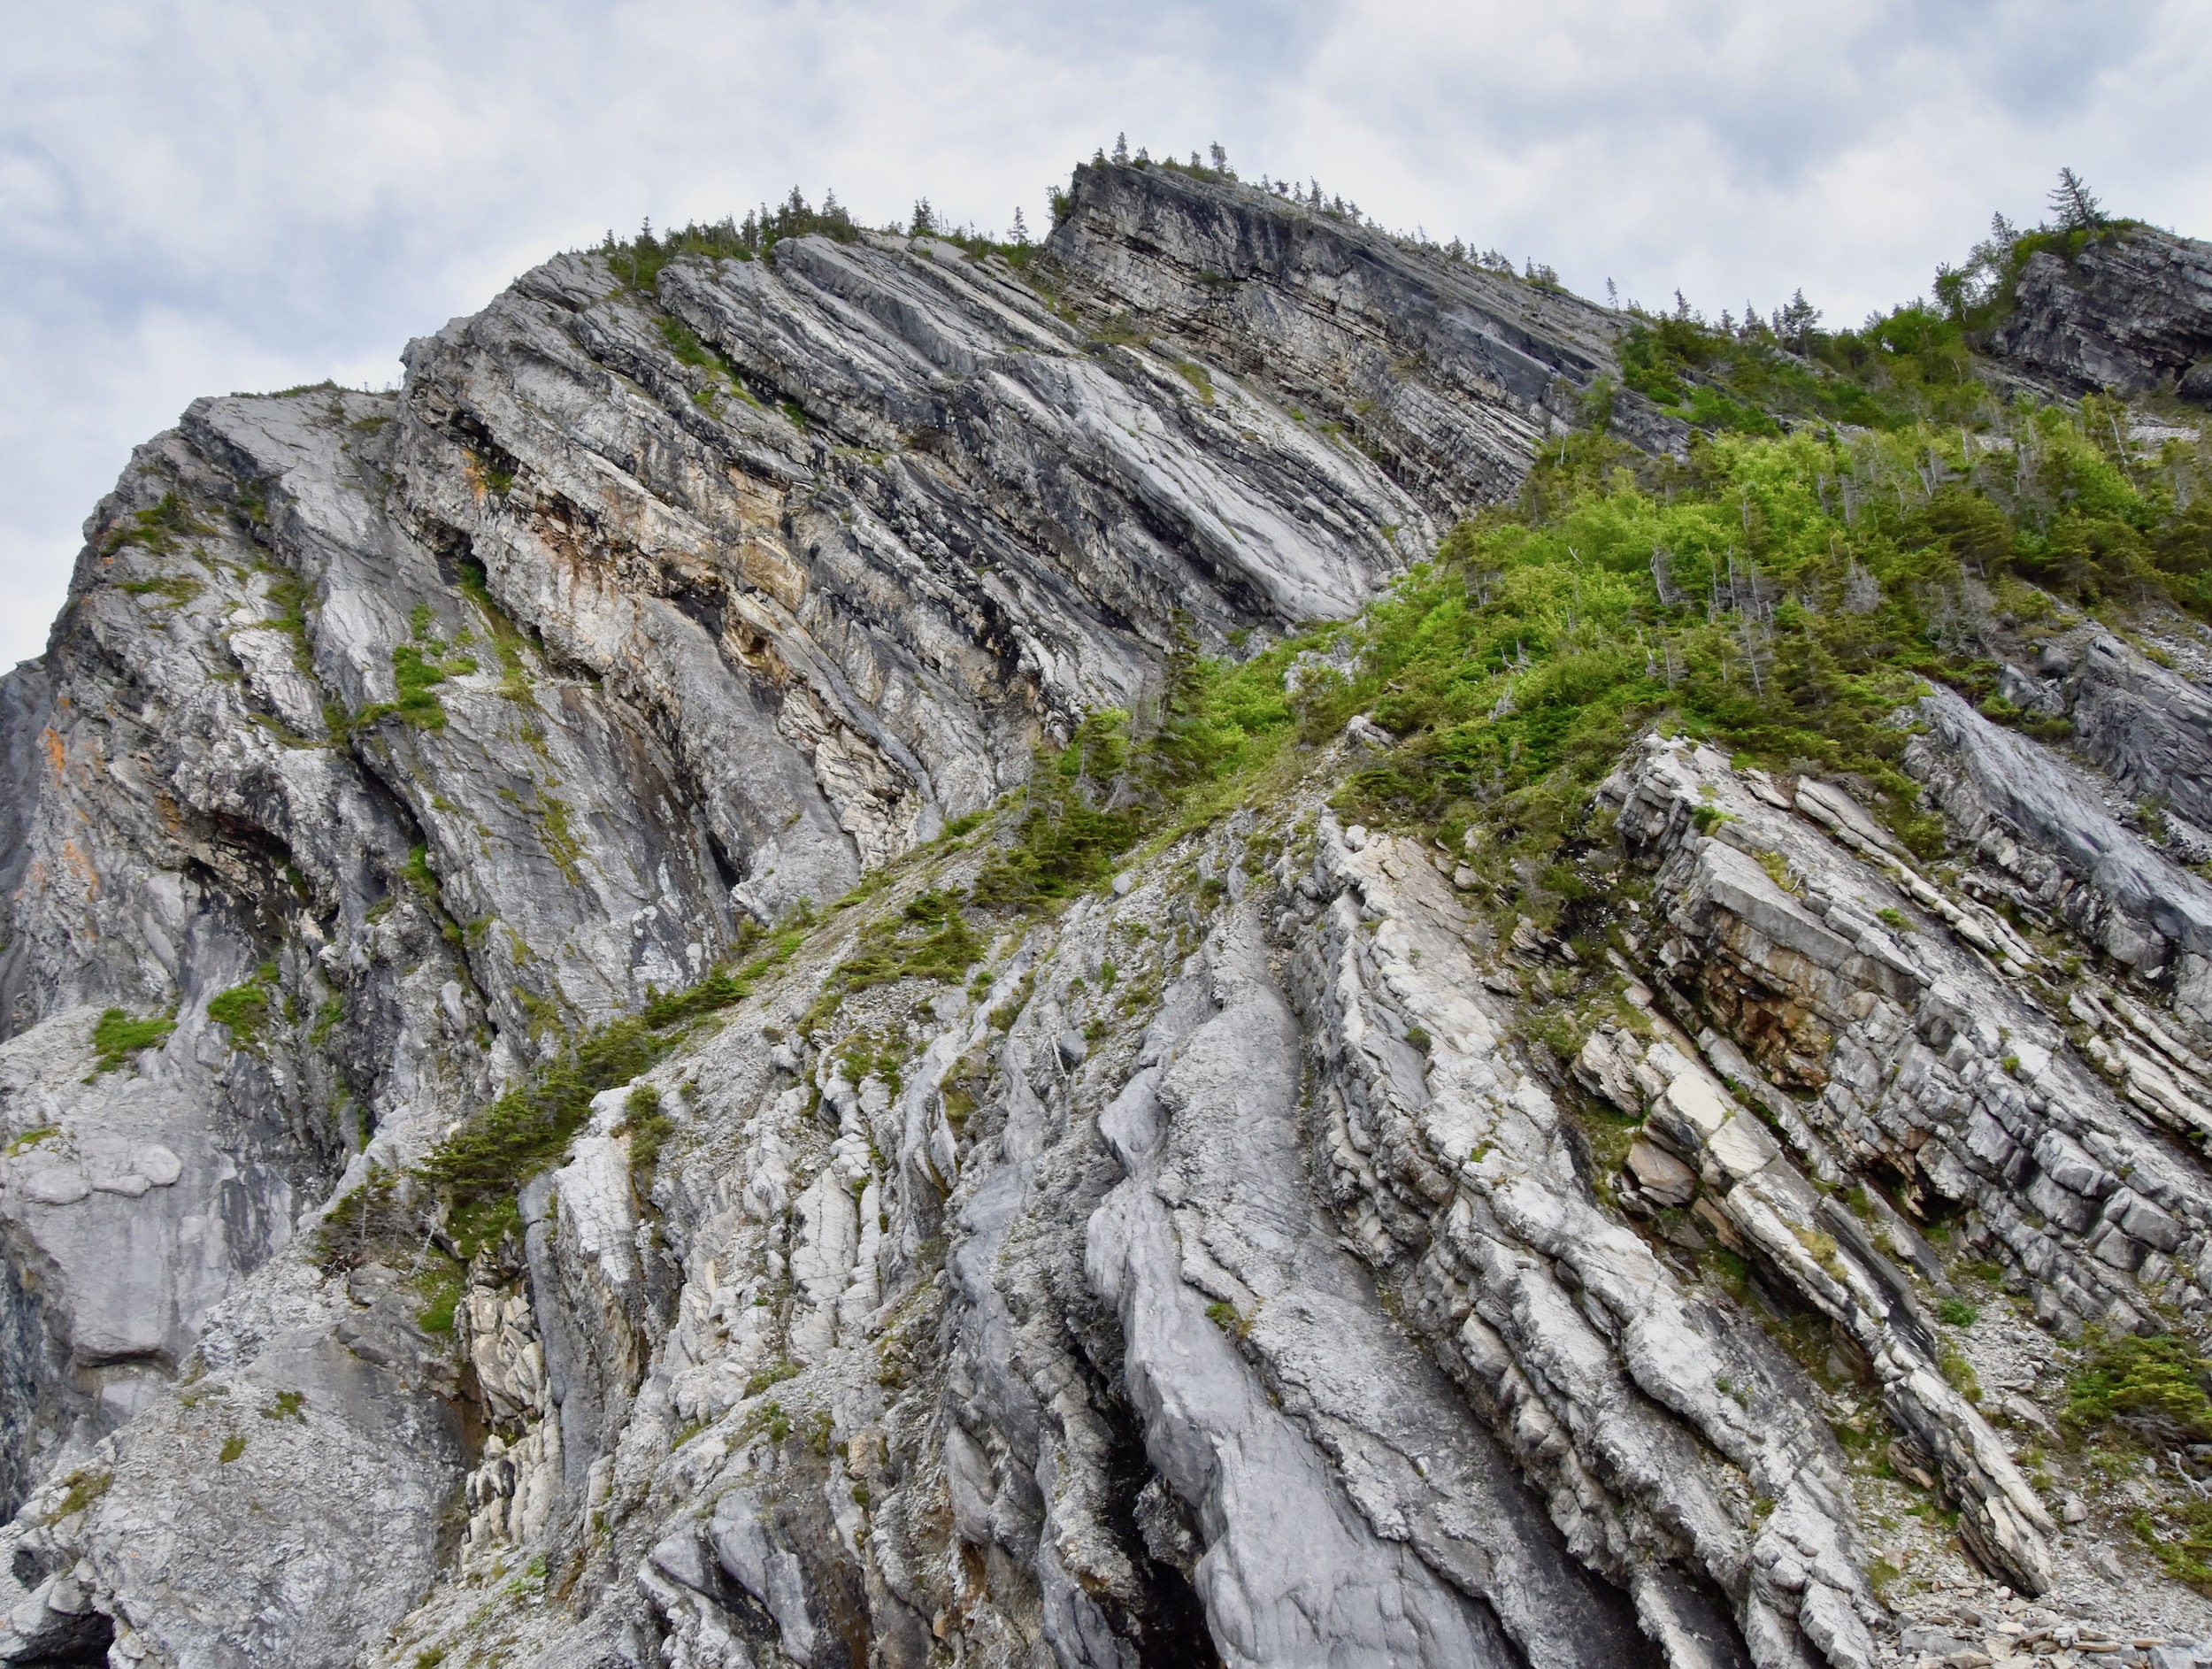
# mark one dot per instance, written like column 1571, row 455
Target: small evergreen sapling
column 2074, row 204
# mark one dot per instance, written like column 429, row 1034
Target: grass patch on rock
column 118, row 1036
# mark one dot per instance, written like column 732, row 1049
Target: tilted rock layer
column 1225, row 1273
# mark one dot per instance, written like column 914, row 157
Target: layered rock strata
column 2129, row 313
column 1232, row 1265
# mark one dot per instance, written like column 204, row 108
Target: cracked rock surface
column 1230, row 1266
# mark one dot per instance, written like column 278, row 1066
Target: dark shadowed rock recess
column 1213, row 1274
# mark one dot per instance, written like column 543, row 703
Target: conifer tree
column 2074, row 204
column 1121, row 146
column 1794, row 323
column 1020, row 234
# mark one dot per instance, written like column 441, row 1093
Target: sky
column 199, row 197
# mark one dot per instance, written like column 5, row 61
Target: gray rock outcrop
column 2130, row 312
column 1272, row 1256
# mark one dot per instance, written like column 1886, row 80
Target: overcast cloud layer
column 215, row 194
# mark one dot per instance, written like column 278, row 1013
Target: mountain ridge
column 811, row 987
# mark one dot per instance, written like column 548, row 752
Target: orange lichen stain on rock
column 57, row 752
column 83, row 865
column 769, row 568
column 760, row 504
column 171, row 815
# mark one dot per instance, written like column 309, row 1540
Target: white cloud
column 216, row 194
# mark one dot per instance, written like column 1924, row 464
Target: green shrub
column 507, row 639
column 2183, row 1542
column 648, row 1127
column 1742, row 597
column 929, row 939
column 418, row 667
column 476, row 1171
column 418, row 872
column 158, row 529
column 365, row 1222
column 2154, row 1388
column 1956, row 1312
column 244, row 1009
column 288, row 594
column 1087, row 805
column 116, row 1037
column 775, row 1373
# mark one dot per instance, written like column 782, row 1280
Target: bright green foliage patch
column 2183, row 1542
column 477, row 1170
column 1087, row 805
column 1782, row 595
column 418, row 667
column 529, row 1127
column 116, row 1037
column 416, row 675
column 441, row 1286
column 244, row 1009
column 1069, row 828
column 288, row 594
column 418, row 872
column 557, row 833
column 507, row 638
column 2153, row 1387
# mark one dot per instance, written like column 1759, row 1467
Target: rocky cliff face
column 1210, row 1269
column 2129, row 313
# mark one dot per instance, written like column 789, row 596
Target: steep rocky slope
column 1215, row 1264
